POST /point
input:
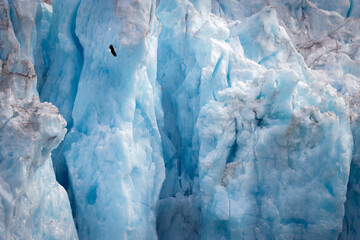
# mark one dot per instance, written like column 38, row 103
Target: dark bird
column 112, row 50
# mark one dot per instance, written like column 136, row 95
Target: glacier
column 33, row 204
column 216, row 119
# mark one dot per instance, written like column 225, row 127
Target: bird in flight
column 112, row 50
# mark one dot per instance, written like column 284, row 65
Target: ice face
column 259, row 105
column 113, row 151
column 59, row 84
column 250, row 155
column 330, row 49
column 187, row 119
column 33, row 205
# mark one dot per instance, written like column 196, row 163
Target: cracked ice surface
column 113, row 151
column 265, row 121
column 252, row 106
column 33, row 205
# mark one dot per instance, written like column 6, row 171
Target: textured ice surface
column 113, row 149
column 58, row 85
column 252, row 106
column 259, row 156
column 270, row 97
column 32, row 204
column 255, row 182
column 329, row 44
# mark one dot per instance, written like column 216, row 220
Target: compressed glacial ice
column 330, row 46
column 216, row 119
column 260, row 158
column 255, row 62
column 60, row 47
column 112, row 153
column 33, row 205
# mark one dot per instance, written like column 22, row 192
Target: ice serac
column 251, row 134
column 329, row 44
column 332, row 50
column 264, row 121
column 32, row 204
column 113, row 150
column 278, row 126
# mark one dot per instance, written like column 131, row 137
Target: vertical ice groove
column 41, row 59
column 348, row 14
column 178, row 74
column 64, row 49
column 59, row 85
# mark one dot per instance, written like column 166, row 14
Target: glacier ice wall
column 271, row 98
column 58, row 85
column 179, row 74
column 217, row 119
column 330, row 47
column 113, row 150
column 33, row 205
column 277, row 128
